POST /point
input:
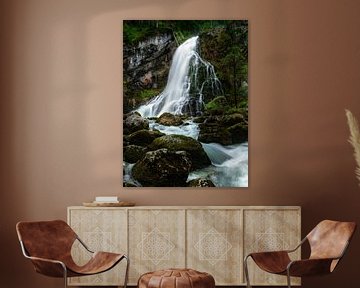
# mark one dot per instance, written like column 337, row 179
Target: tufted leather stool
column 176, row 278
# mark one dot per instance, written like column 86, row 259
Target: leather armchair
column 48, row 245
column 328, row 242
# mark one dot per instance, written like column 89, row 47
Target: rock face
column 193, row 148
column 169, row 119
column 147, row 60
column 162, row 168
column 134, row 122
column 146, row 66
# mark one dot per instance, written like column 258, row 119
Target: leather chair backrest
column 329, row 239
column 46, row 239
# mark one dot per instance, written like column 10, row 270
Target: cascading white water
column 183, row 82
column 230, row 165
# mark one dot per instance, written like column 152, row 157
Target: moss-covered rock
column 134, row 153
column 193, row 147
column 169, row 119
column 238, row 132
column 134, row 122
column 143, row 137
column 162, row 168
column 218, row 105
column 224, row 129
column 211, row 131
column 232, row 119
column 200, row 182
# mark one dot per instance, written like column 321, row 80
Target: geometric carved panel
column 271, row 230
column 156, row 240
column 214, row 241
column 155, row 246
column 100, row 230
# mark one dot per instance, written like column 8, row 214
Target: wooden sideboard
column 212, row 239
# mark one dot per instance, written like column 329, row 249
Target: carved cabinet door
column 214, row 244
column 269, row 230
column 101, row 230
column 156, row 240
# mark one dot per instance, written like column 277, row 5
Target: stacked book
column 106, row 199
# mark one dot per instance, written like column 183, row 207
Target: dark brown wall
column 61, row 113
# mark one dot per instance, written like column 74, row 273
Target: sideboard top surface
column 193, row 207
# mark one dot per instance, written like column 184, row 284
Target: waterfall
column 189, row 75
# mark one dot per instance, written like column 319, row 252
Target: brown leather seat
column 328, row 242
column 48, row 245
column 176, row 278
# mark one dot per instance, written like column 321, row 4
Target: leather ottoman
column 176, row 278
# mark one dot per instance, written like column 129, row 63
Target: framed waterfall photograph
column 185, row 103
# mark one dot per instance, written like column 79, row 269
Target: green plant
column 146, row 94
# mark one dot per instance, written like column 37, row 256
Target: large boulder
column 162, row 168
column 193, row 147
column 134, row 153
column 239, row 133
column 143, row 137
column 134, row 122
column 224, row 129
column 214, row 132
column 169, row 119
column 232, row 119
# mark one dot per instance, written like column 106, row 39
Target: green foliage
column 137, row 30
column 133, row 34
column 146, row 94
column 218, row 105
column 227, row 49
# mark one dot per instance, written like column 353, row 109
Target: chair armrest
column 268, row 253
column 48, row 267
column 298, row 246
column 281, row 251
column 32, row 258
column 309, row 267
column 84, row 245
